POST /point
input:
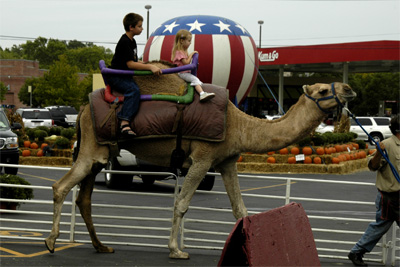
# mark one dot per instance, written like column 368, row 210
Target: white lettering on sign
column 271, row 56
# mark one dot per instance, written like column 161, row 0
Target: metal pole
column 261, row 22
column 148, row 7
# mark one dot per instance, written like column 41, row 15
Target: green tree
column 24, row 95
column 59, row 86
column 372, row 88
column 87, row 58
column 3, row 91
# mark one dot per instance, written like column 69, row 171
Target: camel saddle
column 159, row 119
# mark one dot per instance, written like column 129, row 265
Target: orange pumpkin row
column 27, row 153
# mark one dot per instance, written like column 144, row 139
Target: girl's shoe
column 206, row 96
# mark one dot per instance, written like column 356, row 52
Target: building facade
column 13, row 74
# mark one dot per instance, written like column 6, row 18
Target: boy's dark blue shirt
column 125, row 51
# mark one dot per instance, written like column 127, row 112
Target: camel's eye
column 323, row 91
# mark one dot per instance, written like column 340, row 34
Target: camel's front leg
column 228, row 170
column 85, row 207
column 192, row 180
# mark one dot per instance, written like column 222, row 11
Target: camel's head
column 328, row 96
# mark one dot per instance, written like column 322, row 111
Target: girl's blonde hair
column 180, row 35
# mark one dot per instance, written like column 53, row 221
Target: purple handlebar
column 192, row 67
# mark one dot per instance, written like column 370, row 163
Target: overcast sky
column 286, row 22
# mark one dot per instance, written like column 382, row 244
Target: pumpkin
column 307, row 160
column 307, row 150
column 271, row 160
column 295, row 151
column 333, row 150
column 39, row 153
column 270, row 152
column 339, row 148
column 371, row 151
column 291, row 160
column 362, row 154
column 43, row 145
column 366, row 145
column 284, row 151
column 356, row 146
column 317, row 160
column 26, row 153
column 27, row 143
column 34, row 145
column 335, row 160
column 327, row 150
column 342, row 157
column 240, row 159
column 320, row 151
column 347, row 156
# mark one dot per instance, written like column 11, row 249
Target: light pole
column 148, row 7
column 261, row 22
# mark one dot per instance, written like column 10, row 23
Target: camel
column 244, row 133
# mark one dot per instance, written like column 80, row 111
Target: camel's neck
column 261, row 135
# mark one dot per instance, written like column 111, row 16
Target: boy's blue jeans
column 374, row 231
column 128, row 87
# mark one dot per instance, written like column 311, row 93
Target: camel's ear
column 305, row 89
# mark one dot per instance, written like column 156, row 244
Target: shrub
column 44, row 128
column 56, row 130
column 361, row 144
column 62, row 143
column 318, row 139
column 68, row 133
column 30, row 132
column 13, row 192
column 40, row 134
column 305, row 142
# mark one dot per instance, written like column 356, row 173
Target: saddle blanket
column 156, row 119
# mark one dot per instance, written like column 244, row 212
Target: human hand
column 381, row 145
column 156, row 70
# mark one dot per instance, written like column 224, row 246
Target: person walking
column 387, row 200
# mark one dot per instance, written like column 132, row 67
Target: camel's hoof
column 104, row 249
column 179, row 255
column 48, row 246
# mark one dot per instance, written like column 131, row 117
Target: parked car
column 324, row 128
column 9, row 151
column 59, row 118
column 128, row 161
column 377, row 127
column 34, row 117
column 70, row 113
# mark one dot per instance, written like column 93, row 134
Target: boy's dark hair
column 131, row 19
column 395, row 124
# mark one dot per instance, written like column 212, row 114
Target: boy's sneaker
column 206, row 96
column 356, row 258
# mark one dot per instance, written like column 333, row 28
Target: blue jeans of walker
column 374, row 231
column 128, row 87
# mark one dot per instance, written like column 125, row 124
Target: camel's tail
column 78, row 135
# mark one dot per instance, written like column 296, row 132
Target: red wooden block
column 279, row 237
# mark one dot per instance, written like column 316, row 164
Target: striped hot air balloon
column 227, row 52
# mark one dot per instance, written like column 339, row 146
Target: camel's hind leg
column 228, row 170
column 61, row 189
column 85, row 206
column 90, row 155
